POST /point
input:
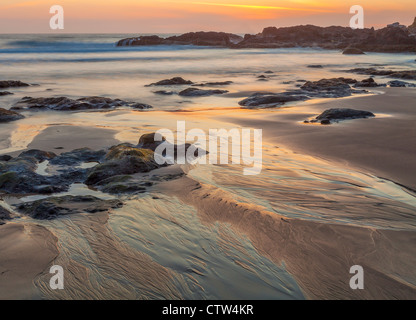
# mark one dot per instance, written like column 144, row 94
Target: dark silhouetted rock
column 412, row 28
column 195, row 92
column 141, row 106
column 164, row 92
column 171, row 82
column 206, row 39
column 407, row 74
column 5, row 157
column 12, row 83
column 389, row 39
column 315, row 66
column 19, row 175
column 323, row 84
column 38, row 154
column 213, row 84
column 353, row 51
column 394, row 38
column 54, row 207
column 366, row 83
column 67, row 104
column 141, row 41
column 324, row 88
column 123, row 160
column 5, row 93
column 221, row 39
column 147, row 141
column 123, row 184
column 400, row 84
column 78, row 156
column 336, row 114
column 270, row 100
column 330, row 88
column 9, row 115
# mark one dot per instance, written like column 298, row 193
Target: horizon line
column 182, row 32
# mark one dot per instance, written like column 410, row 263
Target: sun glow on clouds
column 246, row 6
column 187, row 15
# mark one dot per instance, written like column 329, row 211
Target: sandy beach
column 27, row 251
column 81, row 186
column 383, row 146
column 314, row 253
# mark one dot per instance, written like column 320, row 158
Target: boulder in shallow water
column 330, row 88
column 141, row 106
column 147, row 141
column 353, row 51
column 78, row 156
column 328, row 84
column 338, row 114
column 126, row 149
column 18, row 176
column 68, row 104
column 366, row 83
column 195, row 92
column 164, row 92
column 123, row 159
column 141, row 41
column 12, row 83
column 270, row 100
column 9, row 115
column 400, row 84
column 171, row 82
column 213, row 84
column 203, row 38
column 406, row 74
column 38, row 154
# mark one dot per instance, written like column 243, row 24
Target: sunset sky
column 175, row 16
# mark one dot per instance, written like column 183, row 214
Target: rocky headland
column 392, row 38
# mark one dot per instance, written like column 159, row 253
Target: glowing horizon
column 176, row 16
column 259, row 7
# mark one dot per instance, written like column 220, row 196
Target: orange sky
column 174, row 16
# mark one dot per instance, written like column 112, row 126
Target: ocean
column 90, row 64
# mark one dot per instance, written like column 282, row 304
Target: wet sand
column 318, row 255
column 26, row 251
column 68, row 138
column 130, row 274
column 384, row 146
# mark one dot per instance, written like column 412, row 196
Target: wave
column 79, row 45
